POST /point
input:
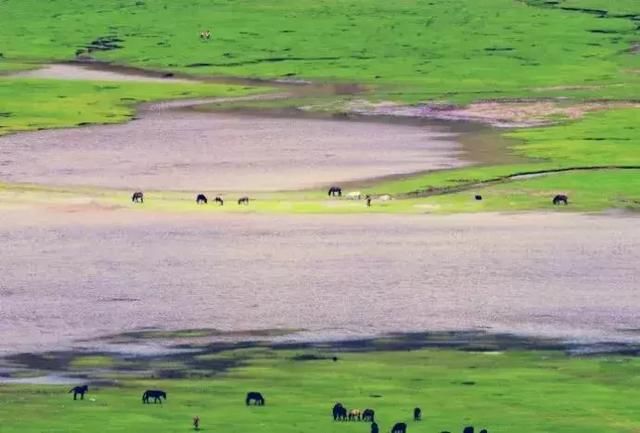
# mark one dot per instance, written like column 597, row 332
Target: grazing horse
column 354, row 195
column 561, row 198
column 484, row 430
column 79, row 390
column 155, row 394
column 254, row 397
column 243, row 200
column 478, row 197
column 201, row 199
column 355, row 415
column 335, row 191
column 137, row 197
column 468, row 429
column 368, row 415
column 219, row 200
column 399, row 427
column 339, row 412
column 417, row 414
column 374, row 428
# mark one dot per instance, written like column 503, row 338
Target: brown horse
column 355, row 415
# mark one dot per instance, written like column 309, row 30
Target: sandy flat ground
column 86, row 72
column 182, row 150
column 69, row 277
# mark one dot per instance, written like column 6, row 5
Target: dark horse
column 79, row 390
column 339, row 412
column 254, row 397
column 400, row 427
column 335, row 191
column 201, row 198
column 417, row 414
column 560, row 198
column 368, row 415
column 137, row 197
column 155, row 394
column 374, row 428
column 243, row 200
column 468, row 429
column 219, row 200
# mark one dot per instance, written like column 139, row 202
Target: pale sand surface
column 183, row 150
column 68, row 277
column 88, row 73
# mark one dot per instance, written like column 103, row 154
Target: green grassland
column 508, row 391
column 457, row 51
column 413, row 50
column 29, row 104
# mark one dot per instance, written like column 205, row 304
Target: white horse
column 354, row 195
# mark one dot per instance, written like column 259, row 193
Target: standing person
column 196, row 423
column 368, row 198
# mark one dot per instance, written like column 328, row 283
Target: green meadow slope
column 460, row 49
column 457, row 51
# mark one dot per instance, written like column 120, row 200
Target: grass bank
column 507, row 391
column 29, row 104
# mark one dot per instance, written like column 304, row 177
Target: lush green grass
column 505, row 392
column 29, row 104
column 459, row 49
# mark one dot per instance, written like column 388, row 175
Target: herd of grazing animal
column 339, row 412
column 334, row 191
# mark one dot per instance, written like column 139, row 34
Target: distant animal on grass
column 399, row 427
column 368, row 415
column 478, row 197
column 368, row 198
column 560, row 198
column 483, row 431
column 355, row 415
column 205, row 35
column 154, row 394
column 79, row 390
column 374, row 428
column 468, row 429
column 201, row 199
column 255, row 397
column 137, row 197
column 243, row 200
column 196, row 423
column 335, row 191
column 354, row 195
column 339, row 412
column 417, row 414
column 219, row 200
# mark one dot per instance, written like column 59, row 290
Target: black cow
column 155, row 394
column 137, row 197
column 79, row 390
column 335, row 191
column 400, row 427
column 417, row 414
column 561, row 198
column 368, row 415
column 339, row 412
column 254, row 397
